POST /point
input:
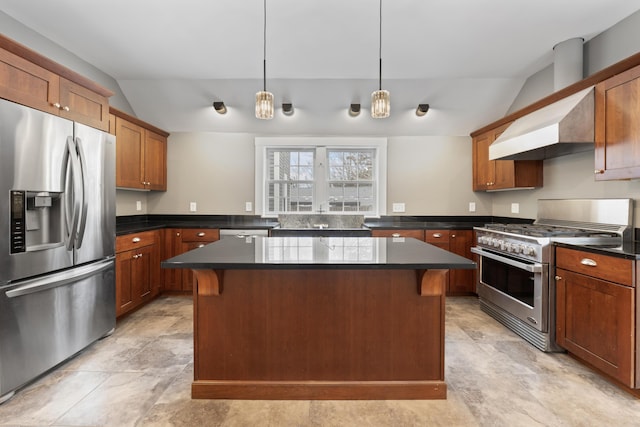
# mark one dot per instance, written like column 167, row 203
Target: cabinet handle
column 135, row 239
column 395, row 235
column 588, row 262
column 65, row 108
column 201, row 234
column 437, row 235
column 598, row 171
column 57, row 105
column 558, row 278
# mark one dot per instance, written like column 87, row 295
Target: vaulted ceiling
column 468, row 59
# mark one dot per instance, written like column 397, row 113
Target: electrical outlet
column 398, row 207
column 472, row 206
column 248, row 206
column 193, row 207
column 138, row 205
column 515, row 207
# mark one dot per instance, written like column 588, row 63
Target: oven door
column 519, row 287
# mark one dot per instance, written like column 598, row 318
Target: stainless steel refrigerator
column 57, row 245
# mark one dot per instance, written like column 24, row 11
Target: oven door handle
column 531, row 268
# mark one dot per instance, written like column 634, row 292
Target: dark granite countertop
column 139, row 223
column 319, row 253
column 628, row 250
column 136, row 224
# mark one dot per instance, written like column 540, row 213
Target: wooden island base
column 319, row 334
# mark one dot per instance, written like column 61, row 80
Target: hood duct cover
column 564, row 127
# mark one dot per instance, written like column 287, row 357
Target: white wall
column 431, row 175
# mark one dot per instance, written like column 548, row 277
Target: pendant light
column 264, row 99
column 380, row 102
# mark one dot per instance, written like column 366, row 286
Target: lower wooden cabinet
column 178, row 241
column 595, row 311
column 459, row 282
column 137, row 270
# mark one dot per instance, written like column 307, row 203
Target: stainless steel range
column 517, row 262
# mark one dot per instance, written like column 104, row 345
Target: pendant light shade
column 264, row 105
column 380, row 99
column 264, row 99
column 380, row 104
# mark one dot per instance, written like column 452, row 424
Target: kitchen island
column 319, row 318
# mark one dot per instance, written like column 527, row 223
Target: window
column 321, row 175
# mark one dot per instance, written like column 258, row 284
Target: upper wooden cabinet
column 30, row 79
column 617, row 127
column 141, row 153
column 501, row 174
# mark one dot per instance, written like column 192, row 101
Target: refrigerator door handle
column 83, row 176
column 71, row 157
column 43, row 283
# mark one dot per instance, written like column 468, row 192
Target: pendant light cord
column 264, row 48
column 380, row 49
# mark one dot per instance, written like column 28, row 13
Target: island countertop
column 285, row 253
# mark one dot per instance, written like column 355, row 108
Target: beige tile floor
column 140, row 376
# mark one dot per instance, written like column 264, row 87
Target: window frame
column 379, row 144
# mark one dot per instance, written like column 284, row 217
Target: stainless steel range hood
column 564, row 127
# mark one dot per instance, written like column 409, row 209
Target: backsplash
column 317, row 221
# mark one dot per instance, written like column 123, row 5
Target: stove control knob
column 529, row 251
column 496, row 243
column 517, row 248
column 509, row 247
column 482, row 240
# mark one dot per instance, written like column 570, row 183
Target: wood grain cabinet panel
column 617, row 127
column 137, row 270
column 141, row 154
column 178, row 241
column 595, row 317
column 501, row 174
column 26, row 82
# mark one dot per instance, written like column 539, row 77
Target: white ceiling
column 172, row 58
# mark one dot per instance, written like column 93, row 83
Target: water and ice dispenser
column 36, row 220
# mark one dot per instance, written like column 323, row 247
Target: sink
column 319, row 225
column 321, row 232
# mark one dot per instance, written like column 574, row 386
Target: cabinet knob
column 588, row 262
column 201, row 245
column 395, row 235
column 437, row 235
column 135, row 239
column 57, row 105
column 65, row 108
column 598, row 171
column 201, row 234
column 453, row 236
column 558, row 278
column 178, row 234
column 135, row 256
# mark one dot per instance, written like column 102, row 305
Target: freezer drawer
column 46, row 320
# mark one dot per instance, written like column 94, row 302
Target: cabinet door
column 187, row 274
column 617, row 127
column 595, row 321
column 172, row 246
column 124, row 285
column 24, row 82
column 143, row 273
column 83, row 105
column 155, row 161
column 129, row 154
column 483, row 168
column 461, row 281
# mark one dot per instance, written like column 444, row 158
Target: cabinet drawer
column 416, row 234
column 135, row 240
column 200, row 234
column 603, row 267
column 437, row 236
